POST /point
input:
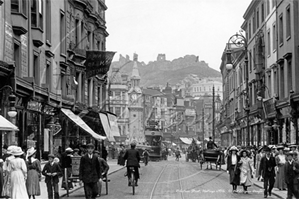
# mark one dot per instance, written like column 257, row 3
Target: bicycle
column 132, row 179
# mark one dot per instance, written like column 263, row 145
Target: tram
column 154, row 139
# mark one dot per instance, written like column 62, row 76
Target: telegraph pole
column 213, row 114
column 203, row 128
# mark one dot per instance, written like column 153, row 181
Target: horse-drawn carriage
column 192, row 152
column 210, row 156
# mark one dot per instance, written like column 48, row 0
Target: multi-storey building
column 46, row 42
column 272, row 52
column 205, row 86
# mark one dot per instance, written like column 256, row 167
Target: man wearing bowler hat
column 267, row 171
column 89, row 172
column 291, row 170
column 211, row 144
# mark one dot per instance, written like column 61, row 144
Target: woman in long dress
column 6, row 191
column 280, row 161
column 247, row 170
column 259, row 155
column 18, row 174
column 34, row 174
column 232, row 168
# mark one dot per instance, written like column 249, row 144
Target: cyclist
column 133, row 158
column 146, row 156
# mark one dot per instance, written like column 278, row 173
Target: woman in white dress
column 247, row 170
column 18, row 175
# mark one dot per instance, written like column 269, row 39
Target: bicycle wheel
column 133, row 182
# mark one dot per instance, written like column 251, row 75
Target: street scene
column 149, row 99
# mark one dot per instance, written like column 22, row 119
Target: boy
column 291, row 170
column 52, row 172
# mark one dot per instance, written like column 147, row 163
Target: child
column 291, row 170
column 52, row 172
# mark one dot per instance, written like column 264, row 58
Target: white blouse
column 233, row 159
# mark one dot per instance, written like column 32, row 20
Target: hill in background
column 162, row 71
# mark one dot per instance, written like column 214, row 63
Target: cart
column 210, row 156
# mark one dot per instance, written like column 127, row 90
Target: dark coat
column 211, row 145
column 121, row 160
column 103, row 166
column 263, row 170
column 133, row 157
column 55, row 168
column 234, row 172
column 89, row 169
column 291, row 175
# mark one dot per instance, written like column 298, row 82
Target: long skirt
column 234, row 178
column 33, row 183
column 6, row 185
column 280, row 178
column 18, row 187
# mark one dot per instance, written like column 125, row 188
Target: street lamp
column 239, row 41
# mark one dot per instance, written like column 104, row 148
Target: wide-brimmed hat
column 76, row 150
column 291, row 153
column 266, row 148
column 293, row 145
column 90, row 145
column 11, row 148
column 69, row 149
column 30, row 151
column 51, row 156
column 17, row 151
column 233, row 148
column 244, row 150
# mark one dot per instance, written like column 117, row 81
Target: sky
column 173, row 27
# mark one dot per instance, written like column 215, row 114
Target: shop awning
column 106, row 127
column 6, row 125
column 186, row 140
column 77, row 120
column 114, row 128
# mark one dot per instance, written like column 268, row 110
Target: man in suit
column 267, row 171
column 89, row 172
column 133, row 158
column 211, row 144
column 291, row 171
column 52, row 171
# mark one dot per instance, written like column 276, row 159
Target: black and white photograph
column 149, row 99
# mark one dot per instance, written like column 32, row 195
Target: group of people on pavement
column 20, row 173
column 276, row 166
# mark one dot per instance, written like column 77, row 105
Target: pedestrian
column 133, row 158
column 233, row 168
column 293, row 147
column 259, row 155
column 121, row 160
column 103, row 171
column 280, row 162
column 18, row 174
column 104, row 153
column 89, row 172
column 6, row 191
column 1, row 177
column 34, row 174
column 76, row 152
column 146, row 156
column 211, row 144
column 247, row 171
column 52, row 172
column 291, row 170
column 66, row 164
column 267, row 171
column 177, row 154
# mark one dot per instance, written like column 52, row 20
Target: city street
column 172, row 179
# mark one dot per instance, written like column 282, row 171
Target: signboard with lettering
column 34, row 106
column 269, row 106
column 98, row 62
column 49, row 110
column 75, row 165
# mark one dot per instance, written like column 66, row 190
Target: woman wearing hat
column 34, row 174
column 66, row 164
column 247, row 170
column 259, row 155
column 121, row 160
column 6, row 191
column 232, row 168
column 18, row 174
column 280, row 162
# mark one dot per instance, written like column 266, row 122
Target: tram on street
column 154, row 140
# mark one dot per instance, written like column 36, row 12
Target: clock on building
column 133, row 97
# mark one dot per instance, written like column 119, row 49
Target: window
column 262, row 13
column 268, row 7
column 274, row 37
column 275, row 83
column 250, row 61
column 48, row 20
column 48, row 74
column 62, row 32
column 89, row 46
column 253, row 25
column 257, row 18
column 288, row 22
column 40, row 14
column 19, row 6
column 273, row 3
column 99, row 96
column 36, row 69
column 249, row 30
column 17, row 59
column 82, row 39
column 34, row 13
column 254, row 58
column 37, row 14
column 289, row 75
column 77, row 29
column 282, row 83
column 269, row 43
column 98, row 45
column 281, row 29
column 102, row 46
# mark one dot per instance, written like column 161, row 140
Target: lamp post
column 239, row 41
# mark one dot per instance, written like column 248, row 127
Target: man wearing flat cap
column 291, row 170
column 267, row 171
column 89, row 172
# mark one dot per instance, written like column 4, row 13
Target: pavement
column 113, row 167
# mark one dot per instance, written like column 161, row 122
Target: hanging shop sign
column 34, row 106
column 49, row 110
column 98, row 62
